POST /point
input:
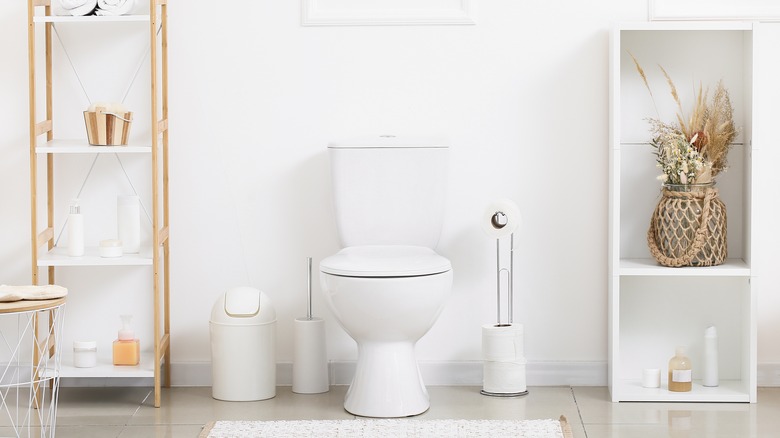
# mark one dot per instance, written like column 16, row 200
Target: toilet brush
column 310, row 361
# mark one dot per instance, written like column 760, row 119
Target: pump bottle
column 75, row 230
column 710, row 366
column 127, row 349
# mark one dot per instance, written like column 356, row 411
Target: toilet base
column 387, row 382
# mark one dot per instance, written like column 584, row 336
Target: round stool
column 30, row 365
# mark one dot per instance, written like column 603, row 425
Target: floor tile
column 99, row 406
column 466, row 402
column 196, row 406
column 89, row 431
column 128, row 412
column 602, row 418
column 162, row 431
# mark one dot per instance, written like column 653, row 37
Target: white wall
column 255, row 98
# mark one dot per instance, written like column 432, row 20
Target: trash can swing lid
column 242, row 302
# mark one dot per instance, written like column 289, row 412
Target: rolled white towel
column 114, row 7
column 79, row 7
column 43, row 292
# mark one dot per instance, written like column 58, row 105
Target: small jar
column 84, row 354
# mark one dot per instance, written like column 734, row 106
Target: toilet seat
column 385, row 261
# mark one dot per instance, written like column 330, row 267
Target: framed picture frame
column 386, row 12
column 760, row 10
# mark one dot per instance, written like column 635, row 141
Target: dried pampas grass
column 709, row 128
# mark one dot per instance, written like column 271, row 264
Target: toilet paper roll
column 501, row 218
column 503, row 370
column 310, row 361
column 502, row 343
column 504, row 377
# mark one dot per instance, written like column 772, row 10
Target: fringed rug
column 395, row 428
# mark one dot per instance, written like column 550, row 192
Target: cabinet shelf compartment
column 653, row 308
column 657, row 314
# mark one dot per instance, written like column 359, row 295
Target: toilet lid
column 385, row 261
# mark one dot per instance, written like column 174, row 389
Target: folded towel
column 18, row 293
column 114, row 7
column 79, row 7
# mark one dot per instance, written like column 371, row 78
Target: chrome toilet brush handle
column 308, row 298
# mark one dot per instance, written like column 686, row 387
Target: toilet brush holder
column 310, row 361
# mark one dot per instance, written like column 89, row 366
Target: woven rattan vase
column 688, row 227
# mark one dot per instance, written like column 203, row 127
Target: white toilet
column 387, row 286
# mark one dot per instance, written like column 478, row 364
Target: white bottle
column 128, row 218
column 710, row 366
column 75, row 230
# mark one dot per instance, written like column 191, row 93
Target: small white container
column 110, row 248
column 651, row 378
column 84, row 354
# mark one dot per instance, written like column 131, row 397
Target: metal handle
column 117, row 116
column 308, row 280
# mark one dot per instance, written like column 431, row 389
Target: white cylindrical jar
column 128, row 218
column 84, row 354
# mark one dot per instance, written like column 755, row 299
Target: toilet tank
column 389, row 190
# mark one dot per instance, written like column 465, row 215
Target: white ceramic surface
column 387, row 286
column 389, row 192
column 386, row 317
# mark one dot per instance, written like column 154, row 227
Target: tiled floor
column 129, row 412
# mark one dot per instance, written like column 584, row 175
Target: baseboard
column 768, row 374
column 461, row 373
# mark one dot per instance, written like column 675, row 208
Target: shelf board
column 697, row 25
column 106, row 368
column 76, row 146
column 729, row 391
column 89, row 18
column 58, row 257
column 650, row 267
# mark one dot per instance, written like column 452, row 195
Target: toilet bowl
column 387, row 286
column 386, row 298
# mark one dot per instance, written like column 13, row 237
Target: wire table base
column 30, row 362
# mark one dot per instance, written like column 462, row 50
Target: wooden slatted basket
column 106, row 128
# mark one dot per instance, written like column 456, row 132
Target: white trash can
column 243, row 346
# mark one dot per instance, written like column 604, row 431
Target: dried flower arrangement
column 694, row 150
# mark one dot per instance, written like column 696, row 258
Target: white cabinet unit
column 66, row 149
column 653, row 309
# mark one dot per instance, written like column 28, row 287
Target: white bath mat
column 395, row 428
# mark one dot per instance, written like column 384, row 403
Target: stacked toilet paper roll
column 504, row 364
column 310, row 361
